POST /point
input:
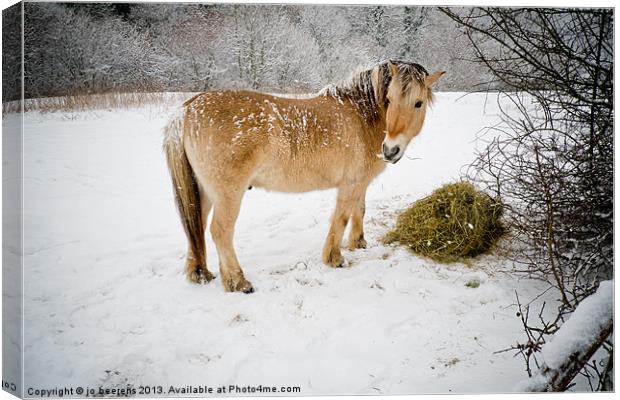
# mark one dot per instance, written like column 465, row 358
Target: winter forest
column 77, row 48
column 524, row 112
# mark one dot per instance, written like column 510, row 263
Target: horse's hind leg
column 356, row 235
column 226, row 210
column 195, row 266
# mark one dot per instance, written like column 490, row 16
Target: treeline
column 77, row 48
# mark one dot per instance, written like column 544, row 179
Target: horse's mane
column 360, row 87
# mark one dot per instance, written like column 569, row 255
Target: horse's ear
column 393, row 68
column 431, row 79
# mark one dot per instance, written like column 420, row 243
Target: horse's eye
column 418, row 104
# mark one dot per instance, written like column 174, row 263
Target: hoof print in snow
column 238, row 319
column 473, row 283
column 309, row 282
column 377, row 285
column 204, row 359
column 451, row 362
column 113, row 382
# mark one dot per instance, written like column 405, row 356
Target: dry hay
column 456, row 222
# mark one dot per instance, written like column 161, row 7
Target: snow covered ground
column 106, row 302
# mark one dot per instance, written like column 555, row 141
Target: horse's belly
column 288, row 178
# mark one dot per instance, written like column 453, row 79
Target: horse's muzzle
column 392, row 154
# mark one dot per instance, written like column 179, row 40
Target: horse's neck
column 377, row 134
column 375, row 127
column 370, row 114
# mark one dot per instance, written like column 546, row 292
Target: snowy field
column 106, row 301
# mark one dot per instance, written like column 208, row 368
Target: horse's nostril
column 390, row 152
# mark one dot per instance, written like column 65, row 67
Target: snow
column 537, row 383
column 582, row 327
column 579, row 332
column 11, row 257
column 106, row 301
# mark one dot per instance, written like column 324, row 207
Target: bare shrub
column 551, row 160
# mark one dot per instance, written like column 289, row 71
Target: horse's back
column 278, row 143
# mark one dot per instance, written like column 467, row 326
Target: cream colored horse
column 225, row 141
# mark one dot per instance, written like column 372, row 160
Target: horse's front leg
column 347, row 198
column 356, row 235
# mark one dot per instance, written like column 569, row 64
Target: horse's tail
column 185, row 186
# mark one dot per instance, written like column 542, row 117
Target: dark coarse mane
column 409, row 72
column 360, row 90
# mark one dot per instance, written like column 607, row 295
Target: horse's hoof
column 339, row 264
column 343, row 264
column 332, row 257
column 240, row 286
column 245, row 287
column 335, row 261
column 206, row 277
column 200, row 276
column 357, row 244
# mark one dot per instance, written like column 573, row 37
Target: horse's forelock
column 369, row 88
column 410, row 74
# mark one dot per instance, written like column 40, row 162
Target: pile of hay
column 454, row 223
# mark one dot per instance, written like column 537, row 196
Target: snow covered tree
column 339, row 51
column 182, row 36
column 96, row 47
column 260, row 47
column 11, row 53
column 414, row 19
column 66, row 52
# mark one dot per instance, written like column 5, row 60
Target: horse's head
column 406, row 99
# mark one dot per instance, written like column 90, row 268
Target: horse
column 223, row 142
